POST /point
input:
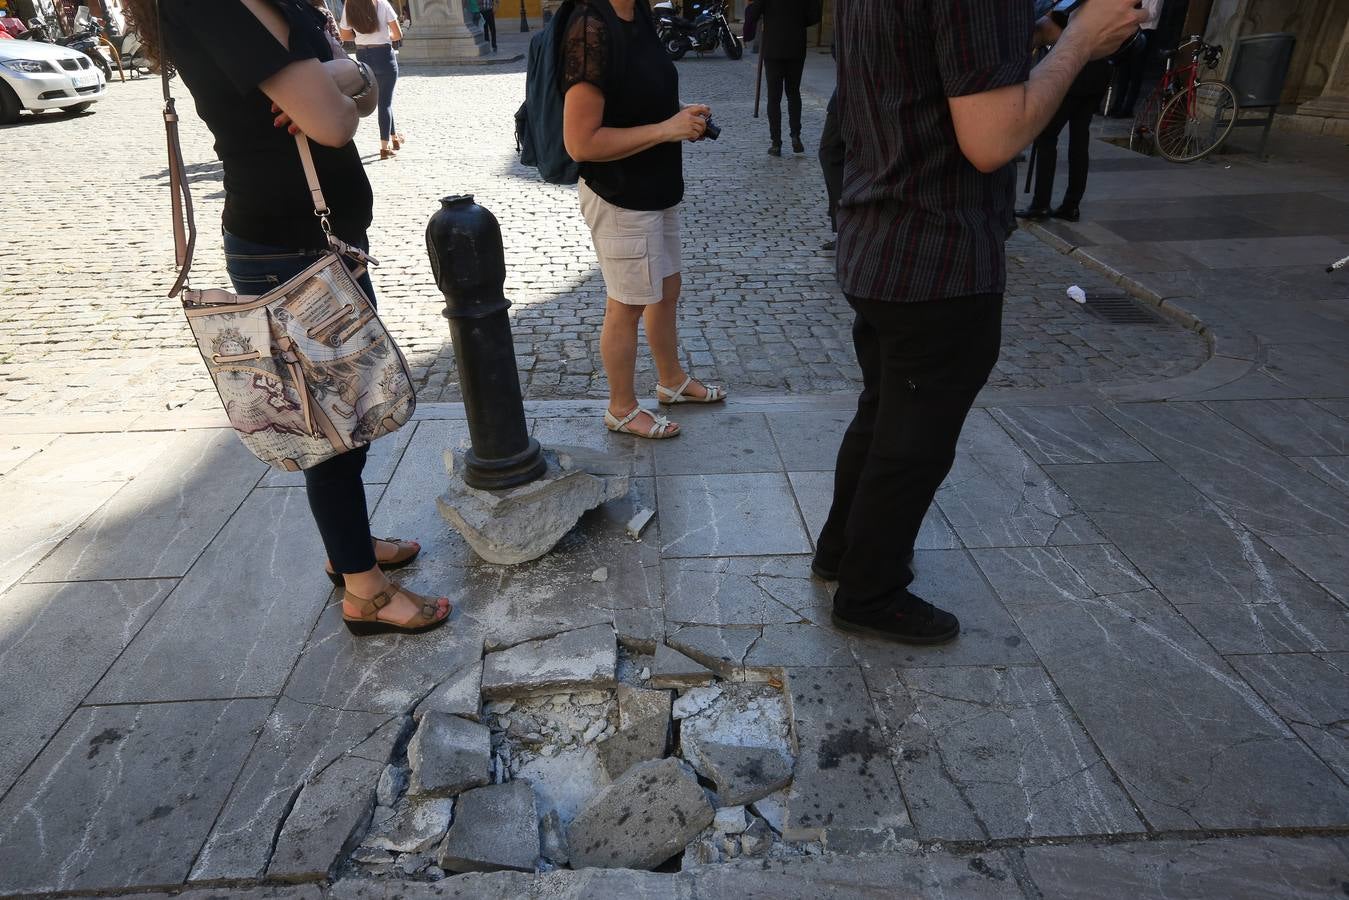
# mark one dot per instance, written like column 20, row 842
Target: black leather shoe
column 774, row 149
column 797, row 146
column 828, row 245
column 908, row 620
column 1034, row 213
column 1067, row 213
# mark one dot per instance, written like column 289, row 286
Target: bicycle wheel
column 1195, row 121
column 1141, row 135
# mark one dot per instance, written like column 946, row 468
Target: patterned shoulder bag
column 307, row 370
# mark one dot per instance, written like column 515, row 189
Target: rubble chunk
column 497, row 827
column 392, row 781
column 553, row 839
column 641, row 741
column 641, row 820
column 449, row 754
column 415, row 828
column 672, row 669
column 458, row 695
column 636, row 704
column 695, row 700
column 730, row 820
column 742, row 774
column 584, row 658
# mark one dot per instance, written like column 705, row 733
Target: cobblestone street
column 84, row 323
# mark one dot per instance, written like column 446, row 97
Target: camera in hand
column 1060, row 11
column 713, row 130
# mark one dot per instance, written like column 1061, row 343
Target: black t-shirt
column 223, row 53
column 641, row 87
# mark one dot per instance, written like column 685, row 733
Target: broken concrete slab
column 458, row 695
column 448, row 755
column 636, row 704
column 695, row 700
column 519, row 524
column 565, row 782
column 496, row 827
column 772, row 809
column 415, row 828
column 743, row 774
column 673, row 669
column 553, row 839
column 721, row 649
column 730, row 820
column 584, row 658
column 639, row 742
column 325, row 824
column 641, row 820
column 392, row 782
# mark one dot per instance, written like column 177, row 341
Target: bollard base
column 500, row 474
column 519, row 524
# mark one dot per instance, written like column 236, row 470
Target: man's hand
column 1105, row 25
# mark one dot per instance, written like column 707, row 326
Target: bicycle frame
column 1174, row 79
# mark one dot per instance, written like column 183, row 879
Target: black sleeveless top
column 641, row 87
column 223, row 53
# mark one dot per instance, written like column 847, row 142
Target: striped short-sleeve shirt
column 917, row 221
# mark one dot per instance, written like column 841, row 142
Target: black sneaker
column 1067, row 213
column 775, row 149
column 797, row 146
column 829, row 245
column 1034, row 213
column 909, row 620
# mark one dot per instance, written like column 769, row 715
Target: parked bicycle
column 1186, row 118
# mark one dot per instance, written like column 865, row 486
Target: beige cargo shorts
column 637, row 249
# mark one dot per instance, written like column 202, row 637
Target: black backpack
column 538, row 122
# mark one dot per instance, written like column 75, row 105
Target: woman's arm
column 587, row 140
column 348, row 34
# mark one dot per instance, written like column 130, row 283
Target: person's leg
column 1047, row 158
column 773, row 74
column 489, row 19
column 853, row 450
column 1135, row 65
column 934, row 358
column 618, row 354
column 660, row 320
column 831, row 158
column 388, row 80
column 1079, row 149
column 792, row 80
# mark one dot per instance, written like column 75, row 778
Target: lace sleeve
column 585, row 50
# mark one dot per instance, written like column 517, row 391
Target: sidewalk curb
column 1233, row 350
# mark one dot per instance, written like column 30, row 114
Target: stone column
column 441, row 34
column 1334, row 100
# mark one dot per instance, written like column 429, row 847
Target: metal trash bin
column 1257, row 74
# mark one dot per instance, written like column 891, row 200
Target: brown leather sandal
column 407, row 552
column 369, row 622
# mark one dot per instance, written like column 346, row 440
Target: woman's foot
column 369, row 607
column 688, row 390
column 640, row 423
column 390, row 553
column 386, row 153
column 397, row 141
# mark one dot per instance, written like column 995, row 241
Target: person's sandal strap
column 674, row 395
column 370, row 606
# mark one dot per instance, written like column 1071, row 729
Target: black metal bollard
column 464, row 242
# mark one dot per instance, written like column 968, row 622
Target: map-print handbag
column 307, row 370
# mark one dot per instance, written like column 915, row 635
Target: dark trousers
column 922, row 365
column 1135, row 65
column 384, row 64
column 336, row 492
column 783, row 74
column 489, row 26
column 831, row 157
column 1076, row 113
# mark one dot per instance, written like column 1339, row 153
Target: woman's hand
column 688, row 124
column 283, row 121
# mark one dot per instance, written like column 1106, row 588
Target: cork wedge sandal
column 368, row 622
column 407, row 552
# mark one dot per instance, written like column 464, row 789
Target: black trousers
column 922, row 365
column 831, row 157
column 1135, row 65
column 489, row 26
column 783, row 74
column 1076, row 113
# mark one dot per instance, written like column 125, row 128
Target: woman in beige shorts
column 622, row 121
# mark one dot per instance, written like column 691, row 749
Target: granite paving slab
column 1191, row 742
column 988, row 636
column 764, row 590
column 458, row 695
column 815, row 494
column 48, row 514
column 1314, row 370
column 799, row 644
column 297, row 742
column 327, row 820
column 15, row 448
column 632, row 457
column 1311, row 692
column 1333, row 470
column 717, row 515
column 809, row 441
column 742, row 440
column 123, row 796
column 57, row 642
column 1227, row 582
column 268, row 561
column 574, row 660
column 1259, row 868
column 161, row 521
column 1068, row 434
column 1292, row 427
column 844, row 780
column 1324, row 558
column 496, row 827
column 986, row 752
column 102, row 456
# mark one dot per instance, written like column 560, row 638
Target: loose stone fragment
column 415, row 828
column 672, row 669
column 730, row 820
column 642, row 819
column 695, row 700
column 553, row 839
column 499, row 707
column 585, row 658
column 323, row 825
column 757, row 839
column 772, row 809
column 600, row 575
column 590, row 698
column 449, row 754
column 496, row 828
column 639, row 522
column 566, row 781
column 459, row 695
column 641, row 741
column 635, row 705
column 742, row 774
column 702, row 852
column 392, row 781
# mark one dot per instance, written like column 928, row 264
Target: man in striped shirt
column 936, row 97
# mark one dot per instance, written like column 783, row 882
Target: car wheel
column 9, row 105
column 77, row 108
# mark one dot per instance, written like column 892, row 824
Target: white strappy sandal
column 669, row 397
column 661, row 428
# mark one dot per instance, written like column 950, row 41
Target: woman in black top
column 623, row 122
column 259, row 71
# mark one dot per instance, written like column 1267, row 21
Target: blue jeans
column 384, row 64
column 334, row 487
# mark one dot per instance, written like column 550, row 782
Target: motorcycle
column 86, row 38
column 708, row 30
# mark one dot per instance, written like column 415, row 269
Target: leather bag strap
column 184, row 222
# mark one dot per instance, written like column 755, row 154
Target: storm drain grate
column 1122, row 310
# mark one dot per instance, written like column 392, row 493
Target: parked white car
column 37, row 76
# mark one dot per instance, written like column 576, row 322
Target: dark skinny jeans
column 384, row 65
column 489, row 26
column 1075, row 112
column 784, row 74
column 336, row 492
